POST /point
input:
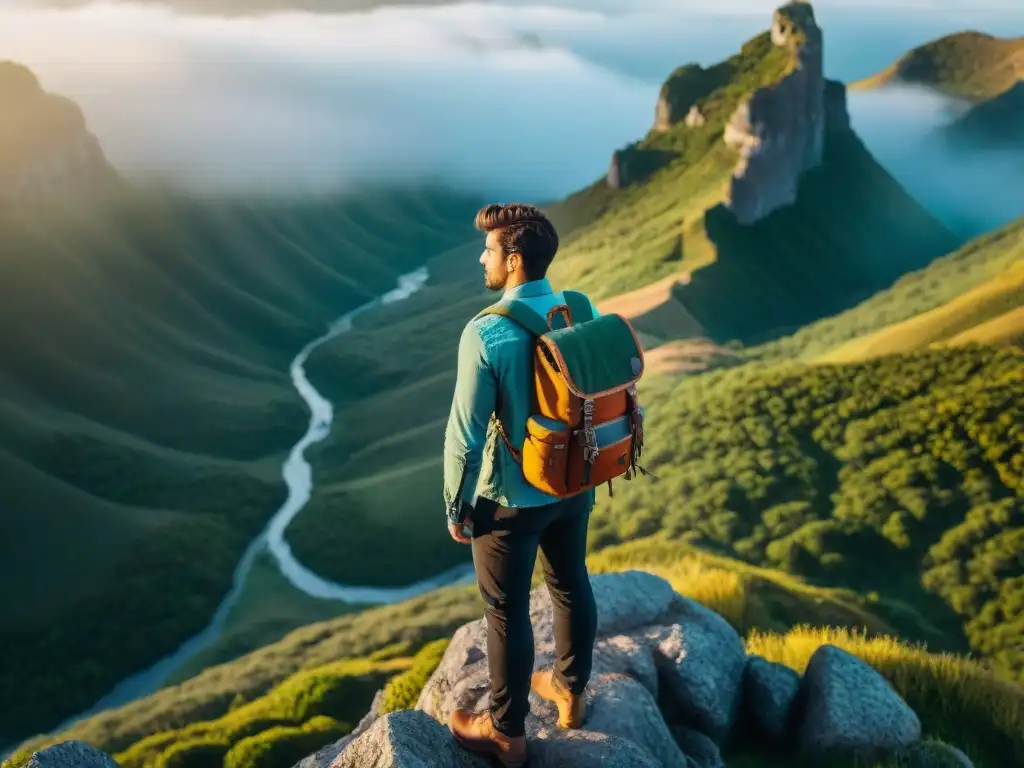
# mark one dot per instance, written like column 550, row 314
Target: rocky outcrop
column 672, row 685
column 683, row 89
column 46, row 150
column 695, row 118
column 779, row 130
column 837, row 116
column 71, row 754
column 635, row 164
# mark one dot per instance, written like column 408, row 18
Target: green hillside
column 993, row 305
column 968, row 65
column 274, row 706
column 145, row 408
column 993, row 259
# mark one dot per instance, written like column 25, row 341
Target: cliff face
column 770, row 103
column 635, row 164
column 683, row 89
column 779, row 130
column 46, row 150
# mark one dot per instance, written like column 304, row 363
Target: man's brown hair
column 524, row 230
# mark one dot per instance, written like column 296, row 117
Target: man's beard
column 491, row 284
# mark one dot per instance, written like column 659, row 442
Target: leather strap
column 501, row 431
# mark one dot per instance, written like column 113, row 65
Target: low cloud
column 510, row 98
column 972, row 191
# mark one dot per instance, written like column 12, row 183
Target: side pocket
column 545, row 455
column 612, row 461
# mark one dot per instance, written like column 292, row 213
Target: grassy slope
column 993, row 304
column 381, row 466
column 981, row 261
column 968, row 65
column 145, row 409
column 321, row 678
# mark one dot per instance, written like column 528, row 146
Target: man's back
column 507, row 350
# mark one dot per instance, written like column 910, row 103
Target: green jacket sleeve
column 475, row 400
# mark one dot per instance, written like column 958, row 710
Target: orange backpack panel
column 587, row 423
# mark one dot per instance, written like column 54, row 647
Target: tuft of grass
column 402, row 691
column 282, row 746
column 336, row 691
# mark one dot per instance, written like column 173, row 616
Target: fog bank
column 511, row 98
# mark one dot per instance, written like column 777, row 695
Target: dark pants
column 505, row 543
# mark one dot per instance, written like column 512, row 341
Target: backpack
column 586, row 426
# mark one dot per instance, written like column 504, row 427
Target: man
column 509, row 520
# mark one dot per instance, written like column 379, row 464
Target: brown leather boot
column 476, row 732
column 571, row 708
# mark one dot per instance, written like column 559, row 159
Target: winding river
column 298, row 477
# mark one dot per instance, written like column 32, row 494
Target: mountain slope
column 753, row 184
column 994, row 124
column 145, row 404
column 967, row 65
column 986, row 260
column 993, row 304
column 46, row 149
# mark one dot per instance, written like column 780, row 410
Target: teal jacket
column 495, row 375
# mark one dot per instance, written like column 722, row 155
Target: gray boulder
column 935, row 754
column 323, row 757
column 669, row 679
column 621, row 706
column 623, row 715
column 71, row 754
column 413, row 739
column 700, row 658
column 407, row 739
column 701, row 752
column 851, row 708
column 769, row 692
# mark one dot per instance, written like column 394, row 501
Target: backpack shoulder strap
column 519, row 313
column 579, row 306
